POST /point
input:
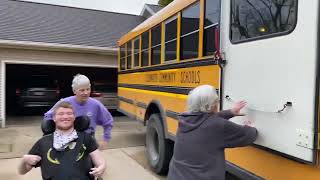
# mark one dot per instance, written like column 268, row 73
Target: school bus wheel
column 159, row 149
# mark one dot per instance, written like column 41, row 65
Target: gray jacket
column 200, row 143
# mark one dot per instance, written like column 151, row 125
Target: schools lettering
column 190, row 77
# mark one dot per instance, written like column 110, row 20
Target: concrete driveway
column 125, row 156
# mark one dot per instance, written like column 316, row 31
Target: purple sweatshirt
column 95, row 110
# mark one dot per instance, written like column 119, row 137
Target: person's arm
column 99, row 163
column 105, row 119
column 96, row 156
column 236, row 135
column 30, row 160
column 27, row 163
column 225, row 114
column 234, row 111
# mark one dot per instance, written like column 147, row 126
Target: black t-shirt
column 73, row 163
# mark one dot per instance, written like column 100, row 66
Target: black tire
column 159, row 149
column 230, row 176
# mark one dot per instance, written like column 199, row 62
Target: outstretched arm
column 234, row 111
column 237, row 136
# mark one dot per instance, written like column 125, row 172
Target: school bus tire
column 159, row 149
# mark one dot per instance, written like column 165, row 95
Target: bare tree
column 271, row 15
column 163, row 3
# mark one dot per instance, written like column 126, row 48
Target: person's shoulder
column 87, row 138
column 44, row 139
column 94, row 101
column 216, row 120
column 69, row 99
column 84, row 134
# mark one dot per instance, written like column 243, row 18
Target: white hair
column 202, row 99
column 80, row 81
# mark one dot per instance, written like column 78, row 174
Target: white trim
column 3, row 95
column 57, row 46
column 146, row 7
column 56, row 63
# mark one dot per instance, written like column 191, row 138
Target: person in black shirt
column 65, row 154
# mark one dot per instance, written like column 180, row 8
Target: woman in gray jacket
column 202, row 136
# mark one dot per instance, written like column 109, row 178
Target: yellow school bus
column 263, row 51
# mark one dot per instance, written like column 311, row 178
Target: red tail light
column 18, row 92
column 96, row 94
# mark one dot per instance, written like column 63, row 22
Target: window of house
column 171, row 39
column 252, row 19
column 190, row 31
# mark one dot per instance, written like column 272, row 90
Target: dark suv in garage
column 37, row 91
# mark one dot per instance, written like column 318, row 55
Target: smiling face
column 64, row 118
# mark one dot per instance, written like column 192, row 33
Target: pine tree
column 163, row 3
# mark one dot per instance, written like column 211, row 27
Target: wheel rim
column 153, row 145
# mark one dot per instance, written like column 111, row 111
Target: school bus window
column 136, row 52
column 211, row 26
column 122, row 51
column 122, row 64
column 171, row 39
column 252, row 19
column 190, row 31
column 129, row 54
column 156, row 55
column 156, row 45
column 123, row 57
column 145, row 49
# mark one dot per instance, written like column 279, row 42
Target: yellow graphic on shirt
column 80, row 155
column 55, row 161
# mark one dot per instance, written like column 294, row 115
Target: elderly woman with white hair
column 85, row 105
column 202, row 136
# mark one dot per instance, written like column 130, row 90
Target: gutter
column 57, row 47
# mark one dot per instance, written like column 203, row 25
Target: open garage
column 20, row 67
column 22, row 75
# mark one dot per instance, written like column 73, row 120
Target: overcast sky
column 122, row 6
